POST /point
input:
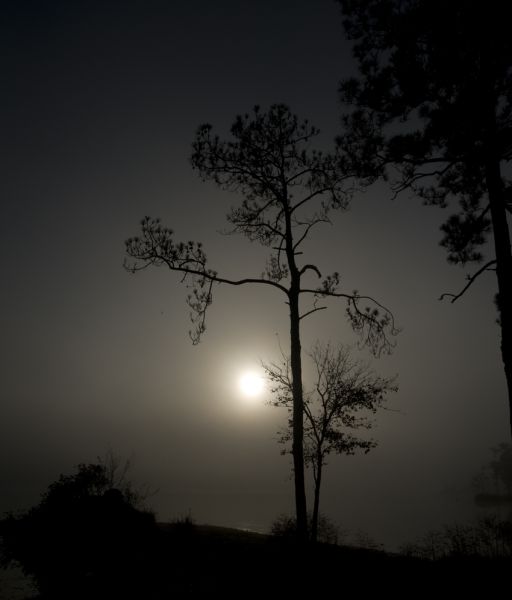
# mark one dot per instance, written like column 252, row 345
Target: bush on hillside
column 84, row 536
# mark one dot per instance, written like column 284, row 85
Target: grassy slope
column 206, row 561
column 245, row 564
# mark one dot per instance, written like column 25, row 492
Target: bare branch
column 310, row 312
column 317, row 192
column 409, row 181
column 471, row 279
column 308, row 228
column 312, row 268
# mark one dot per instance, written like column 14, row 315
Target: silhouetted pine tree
column 431, row 108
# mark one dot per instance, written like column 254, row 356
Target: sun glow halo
column 251, row 384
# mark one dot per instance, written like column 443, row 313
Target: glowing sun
column 251, row 384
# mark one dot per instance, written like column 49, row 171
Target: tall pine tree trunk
column 503, row 264
column 298, row 409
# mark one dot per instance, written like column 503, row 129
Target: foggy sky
column 100, row 102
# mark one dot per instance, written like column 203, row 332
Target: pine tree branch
column 471, row 279
column 310, row 312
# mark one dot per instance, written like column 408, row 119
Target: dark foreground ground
column 188, row 561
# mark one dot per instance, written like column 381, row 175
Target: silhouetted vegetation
column 431, row 111
column 85, row 535
column 287, row 190
column 341, row 399
column 182, row 559
column 488, row 537
column 285, row 527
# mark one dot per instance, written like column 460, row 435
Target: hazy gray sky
column 100, row 102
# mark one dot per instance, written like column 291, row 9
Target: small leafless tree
column 344, row 396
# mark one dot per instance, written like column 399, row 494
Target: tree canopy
column 431, row 111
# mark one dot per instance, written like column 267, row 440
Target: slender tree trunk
column 296, row 368
column 316, row 505
column 503, row 266
column 298, row 409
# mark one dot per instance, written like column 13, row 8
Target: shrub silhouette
column 487, row 537
column 85, row 537
column 285, row 527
